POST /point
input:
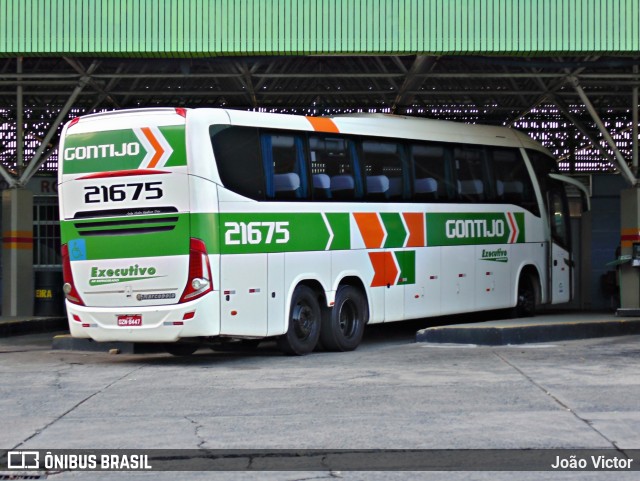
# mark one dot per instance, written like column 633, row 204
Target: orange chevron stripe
column 370, row 228
column 322, row 124
column 155, row 144
column 385, row 271
column 415, row 223
column 514, row 228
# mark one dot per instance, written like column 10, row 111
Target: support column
column 19, row 123
column 634, row 128
column 17, row 252
column 630, row 234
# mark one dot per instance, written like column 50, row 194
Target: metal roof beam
column 86, row 75
column 620, row 161
column 247, row 82
column 412, row 81
column 38, row 159
column 547, row 90
column 470, row 74
column 564, row 108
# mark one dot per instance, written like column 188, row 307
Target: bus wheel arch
column 528, row 292
column 343, row 327
column 304, row 321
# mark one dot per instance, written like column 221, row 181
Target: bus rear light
column 69, row 288
column 181, row 111
column 76, row 318
column 199, row 282
column 189, row 315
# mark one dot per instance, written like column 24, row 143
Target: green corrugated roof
column 185, row 28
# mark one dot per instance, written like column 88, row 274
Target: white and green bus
column 187, row 226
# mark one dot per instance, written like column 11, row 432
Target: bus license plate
column 130, row 320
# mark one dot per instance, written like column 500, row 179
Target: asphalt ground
column 391, row 393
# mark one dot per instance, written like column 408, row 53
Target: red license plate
column 130, row 320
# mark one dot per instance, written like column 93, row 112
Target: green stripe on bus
column 250, row 233
column 339, row 223
column 204, row 226
column 396, row 232
column 176, row 139
column 130, row 240
column 407, row 263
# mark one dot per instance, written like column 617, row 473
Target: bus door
column 561, row 262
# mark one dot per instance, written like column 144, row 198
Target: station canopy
column 549, row 68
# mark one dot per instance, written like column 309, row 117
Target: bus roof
column 393, row 126
column 369, row 124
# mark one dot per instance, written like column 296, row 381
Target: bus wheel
column 526, row 304
column 181, row 348
column 344, row 326
column 304, row 323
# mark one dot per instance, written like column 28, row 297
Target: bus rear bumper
column 199, row 318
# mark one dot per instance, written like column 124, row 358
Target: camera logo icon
column 23, row 460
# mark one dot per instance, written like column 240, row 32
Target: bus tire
column 181, row 348
column 527, row 296
column 342, row 329
column 305, row 319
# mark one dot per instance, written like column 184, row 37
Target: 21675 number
column 120, row 192
column 239, row 233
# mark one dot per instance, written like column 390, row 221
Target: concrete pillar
column 585, row 272
column 630, row 234
column 17, row 252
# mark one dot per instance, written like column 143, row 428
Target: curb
column 628, row 312
column 510, row 332
column 29, row 326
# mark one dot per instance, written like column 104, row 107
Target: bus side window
column 431, row 173
column 237, row 154
column 472, row 175
column 513, row 184
column 542, row 165
column 284, row 166
column 557, row 211
column 383, row 169
column 334, row 169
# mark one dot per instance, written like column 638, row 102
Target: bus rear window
column 237, row 153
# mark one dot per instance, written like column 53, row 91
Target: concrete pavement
column 391, row 393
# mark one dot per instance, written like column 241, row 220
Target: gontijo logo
column 150, row 139
column 474, row 228
column 101, row 151
column 469, row 228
